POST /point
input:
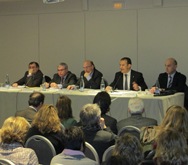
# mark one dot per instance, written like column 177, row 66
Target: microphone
column 116, row 83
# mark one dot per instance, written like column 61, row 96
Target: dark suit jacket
column 178, row 84
column 135, row 77
column 136, row 120
column 28, row 114
column 54, row 137
column 33, row 81
column 94, row 82
column 110, row 122
column 70, row 79
column 100, row 140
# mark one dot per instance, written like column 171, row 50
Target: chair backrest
column 91, row 153
column 43, row 148
column 6, row 162
column 130, row 129
column 107, row 153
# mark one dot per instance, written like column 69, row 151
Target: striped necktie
column 170, row 82
column 126, row 85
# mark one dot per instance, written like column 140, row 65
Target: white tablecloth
column 15, row 99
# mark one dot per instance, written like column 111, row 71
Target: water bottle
column 43, row 85
column 82, row 84
column 7, row 81
column 102, row 85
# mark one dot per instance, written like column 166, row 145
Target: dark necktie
column 126, row 85
column 170, row 82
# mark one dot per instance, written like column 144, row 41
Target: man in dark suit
column 92, row 77
column 171, row 79
column 36, row 100
column 32, row 78
column 63, row 77
column 127, row 79
column 136, row 108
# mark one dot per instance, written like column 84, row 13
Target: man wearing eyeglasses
column 32, row 77
column 92, row 77
column 63, row 77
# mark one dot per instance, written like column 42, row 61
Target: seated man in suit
column 62, row 78
column 171, row 79
column 136, row 108
column 92, row 77
column 32, row 78
column 36, row 100
column 126, row 78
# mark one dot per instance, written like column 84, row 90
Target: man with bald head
column 92, row 77
column 171, row 79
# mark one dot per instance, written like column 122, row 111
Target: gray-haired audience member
column 63, row 77
column 95, row 131
column 136, row 109
column 74, row 142
column 36, row 100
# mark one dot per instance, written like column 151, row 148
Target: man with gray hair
column 94, row 128
column 136, row 108
column 63, row 77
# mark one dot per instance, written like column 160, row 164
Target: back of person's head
column 176, row 117
column 73, row 138
column 103, row 100
column 136, row 105
column 117, row 160
column 47, row 120
column 90, row 115
column 14, row 129
column 64, row 108
column 171, row 148
column 129, row 146
column 36, row 99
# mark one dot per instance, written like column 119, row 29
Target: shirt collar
column 72, row 152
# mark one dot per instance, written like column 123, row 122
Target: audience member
column 171, row 79
column 103, row 100
column 92, row 77
column 32, row 78
column 126, row 78
column 171, row 148
column 136, row 109
column 47, row 123
column 95, row 131
column 64, row 110
column 74, row 146
column 63, row 77
column 36, row 100
column 127, row 151
column 12, row 135
column 176, row 117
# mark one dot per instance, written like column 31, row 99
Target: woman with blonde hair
column 12, row 135
column 47, row 123
column 64, row 109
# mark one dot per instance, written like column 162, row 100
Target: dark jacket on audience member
column 54, row 138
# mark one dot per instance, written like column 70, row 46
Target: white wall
column 76, row 30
